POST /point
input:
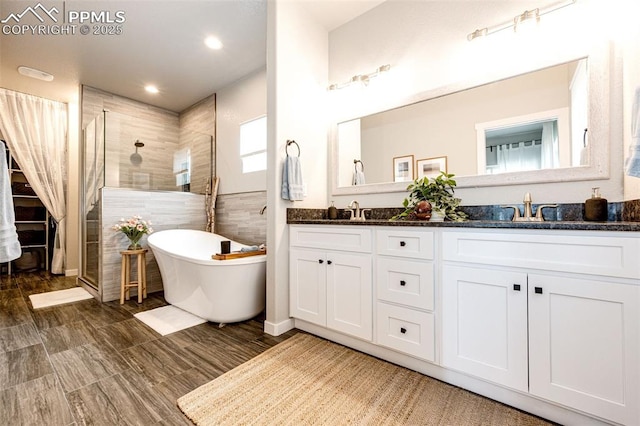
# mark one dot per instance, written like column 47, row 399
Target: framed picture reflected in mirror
column 431, row 167
column 403, row 169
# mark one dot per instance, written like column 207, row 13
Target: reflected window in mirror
column 531, row 146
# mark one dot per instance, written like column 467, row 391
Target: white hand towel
column 9, row 244
column 358, row 176
column 632, row 163
column 292, row 183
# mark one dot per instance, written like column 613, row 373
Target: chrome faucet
column 350, row 207
column 528, row 211
column 358, row 214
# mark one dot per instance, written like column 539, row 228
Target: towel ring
column 289, row 142
column 355, row 165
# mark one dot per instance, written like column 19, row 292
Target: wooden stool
column 126, row 283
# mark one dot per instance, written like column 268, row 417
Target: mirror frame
column 600, row 72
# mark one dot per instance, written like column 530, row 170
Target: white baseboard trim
column 279, row 328
column 70, row 272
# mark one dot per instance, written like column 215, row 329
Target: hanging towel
column 632, row 163
column 9, row 244
column 358, row 175
column 292, row 184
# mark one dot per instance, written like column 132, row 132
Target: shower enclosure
column 136, row 160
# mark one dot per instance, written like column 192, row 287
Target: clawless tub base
column 222, row 291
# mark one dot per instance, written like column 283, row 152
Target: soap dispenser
column 332, row 212
column 596, row 208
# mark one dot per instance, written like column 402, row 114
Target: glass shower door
column 93, row 180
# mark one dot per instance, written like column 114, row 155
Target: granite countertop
column 623, row 217
column 504, row 224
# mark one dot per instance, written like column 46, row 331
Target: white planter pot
column 437, row 216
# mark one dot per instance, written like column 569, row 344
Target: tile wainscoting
column 238, row 217
column 166, row 210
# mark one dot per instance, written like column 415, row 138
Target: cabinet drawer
column 331, row 237
column 404, row 281
column 597, row 255
column 405, row 243
column 406, row 330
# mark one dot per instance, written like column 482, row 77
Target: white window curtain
column 550, row 155
column 519, row 156
column 35, row 130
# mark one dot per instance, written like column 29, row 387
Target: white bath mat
column 58, row 297
column 168, row 319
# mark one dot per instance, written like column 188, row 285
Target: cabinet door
column 485, row 324
column 584, row 345
column 307, row 277
column 349, row 294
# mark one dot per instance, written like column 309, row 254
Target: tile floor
column 94, row 363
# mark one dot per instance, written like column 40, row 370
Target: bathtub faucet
column 263, row 209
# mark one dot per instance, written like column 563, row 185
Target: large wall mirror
column 542, row 126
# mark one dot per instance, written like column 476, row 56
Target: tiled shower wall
column 238, row 217
column 166, row 210
column 128, row 121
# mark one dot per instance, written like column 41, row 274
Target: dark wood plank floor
column 94, row 363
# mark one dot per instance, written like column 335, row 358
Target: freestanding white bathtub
column 222, row 291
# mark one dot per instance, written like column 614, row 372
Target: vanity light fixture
column 34, row 73
column 526, row 19
column 517, row 23
column 361, row 78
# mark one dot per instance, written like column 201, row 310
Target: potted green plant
column 438, row 192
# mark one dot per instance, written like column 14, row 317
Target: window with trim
column 253, row 145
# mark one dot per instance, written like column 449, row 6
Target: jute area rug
column 309, row 381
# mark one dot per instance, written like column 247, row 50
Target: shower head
column 136, row 158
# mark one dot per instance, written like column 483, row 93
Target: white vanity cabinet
column 405, row 291
column 555, row 314
column 330, row 278
column 485, row 324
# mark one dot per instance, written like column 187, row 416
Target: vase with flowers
column 134, row 229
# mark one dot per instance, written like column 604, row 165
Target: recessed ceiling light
column 151, row 88
column 213, row 43
column 34, row 73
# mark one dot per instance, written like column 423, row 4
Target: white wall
column 239, row 102
column 426, row 45
column 297, row 52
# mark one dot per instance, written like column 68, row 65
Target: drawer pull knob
column 403, row 283
column 516, row 287
column 329, row 262
column 403, row 330
column 402, row 244
column 538, row 290
column 320, row 261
